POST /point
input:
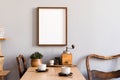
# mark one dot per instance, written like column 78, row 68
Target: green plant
column 36, row 55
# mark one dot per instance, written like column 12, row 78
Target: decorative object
column 52, row 26
column 1, row 32
column 72, row 47
column 1, row 62
column 67, row 56
column 51, row 62
column 1, row 55
column 4, row 74
column 36, row 59
column 57, row 60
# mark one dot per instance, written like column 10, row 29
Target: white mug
column 66, row 70
column 51, row 62
column 42, row 67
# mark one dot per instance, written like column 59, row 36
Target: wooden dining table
column 51, row 74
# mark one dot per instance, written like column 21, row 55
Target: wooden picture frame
column 52, row 26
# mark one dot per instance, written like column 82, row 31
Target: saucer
column 38, row 70
column 62, row 74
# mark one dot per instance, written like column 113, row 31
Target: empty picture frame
column 52, row 26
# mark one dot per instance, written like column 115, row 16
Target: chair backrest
column 22, row 65
column 100, row 74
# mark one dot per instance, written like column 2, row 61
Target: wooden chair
column 100, row 74
column 22, row 65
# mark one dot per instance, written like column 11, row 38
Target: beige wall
column 93, row 26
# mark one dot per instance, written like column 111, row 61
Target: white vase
column 1, row 32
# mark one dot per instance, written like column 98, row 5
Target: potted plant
column 36, row 59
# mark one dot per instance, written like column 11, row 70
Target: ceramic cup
column 66, row 70
column 42, row 67
column 51, row 62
